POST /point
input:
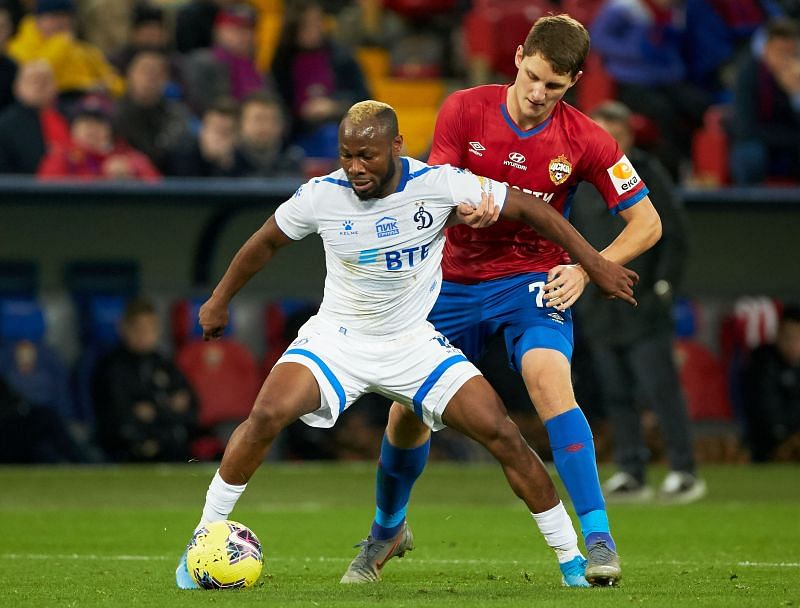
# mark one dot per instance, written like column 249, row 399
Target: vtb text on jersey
column 383, row 256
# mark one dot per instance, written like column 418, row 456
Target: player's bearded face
column 538, row 88
column 369, row 168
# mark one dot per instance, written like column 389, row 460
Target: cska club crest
column 560, row 169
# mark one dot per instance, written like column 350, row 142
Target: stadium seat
column 223, row 373
column 595, row 86
column 416, row 126
column 704, row 382
column 752, row 322
column 493, row 30
column 374, row 62
column 710, row 150
column 19, row 278
column 225, row 377
column 282, row 319
column 31, row 367
column 404, row 93
column 418, row 9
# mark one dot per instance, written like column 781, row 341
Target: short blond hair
column 371, row 110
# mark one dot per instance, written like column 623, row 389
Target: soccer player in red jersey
column 507, row 278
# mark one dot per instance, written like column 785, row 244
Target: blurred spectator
column 318, row 78
column 104, row 23
column 226, row 69
column 641, row 43
column 144, row 118
column 261, row 151
column 148, row 30
column 772, row 394
column 195, row 23
column 8, row 67
column 716, row 30
column 32, row 433
column 144, row 407
column 31, row 125
column 631, row 347
column 50, row 34
column 213, row 152
column 92, row 153
column 766, row 125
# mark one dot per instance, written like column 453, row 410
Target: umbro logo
column 476, row 148
column 556, row 317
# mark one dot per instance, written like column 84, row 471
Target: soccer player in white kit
column 381, row 218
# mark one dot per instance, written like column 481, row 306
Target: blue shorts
column 468, row 315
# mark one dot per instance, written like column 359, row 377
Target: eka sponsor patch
column 623, row 176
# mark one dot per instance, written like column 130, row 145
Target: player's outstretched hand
column 213, row 319
column 481, row 216
column 614, row 280
column 565, row 284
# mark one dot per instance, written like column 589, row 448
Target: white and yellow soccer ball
column 224, row 555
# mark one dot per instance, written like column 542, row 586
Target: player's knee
column 267, row 418
column 503, row 438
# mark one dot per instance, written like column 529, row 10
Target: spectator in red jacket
column 92, row 153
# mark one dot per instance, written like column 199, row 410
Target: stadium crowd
column 135, row 90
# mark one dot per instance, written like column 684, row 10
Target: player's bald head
column 370, row 120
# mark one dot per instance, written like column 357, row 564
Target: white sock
column 556, row 527
column 220, row 500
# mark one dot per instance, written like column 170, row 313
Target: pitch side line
column 161, row 558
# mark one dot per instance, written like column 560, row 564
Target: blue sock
column 573, row 453
column 398, row 469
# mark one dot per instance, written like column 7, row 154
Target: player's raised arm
column 611, row 278
column 251, row 257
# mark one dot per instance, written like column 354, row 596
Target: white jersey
column 382, row 255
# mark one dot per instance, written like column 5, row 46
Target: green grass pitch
column 111, row 537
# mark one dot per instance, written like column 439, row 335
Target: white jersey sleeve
column 296, row 217
column 466, row 187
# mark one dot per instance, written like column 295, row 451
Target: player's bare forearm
column 251, row 257
column 257, row 251
column 642, row 230
column 612, row 279
column 550, row 224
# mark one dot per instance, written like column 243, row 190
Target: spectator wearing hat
column 148, row 30
column 92, row 152
column 144, row 117
column 194, row 24
column 31, row 124
column 49, row 34
column 227, row 69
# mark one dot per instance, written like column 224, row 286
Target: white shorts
column 420, row 369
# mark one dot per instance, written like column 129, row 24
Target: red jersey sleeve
column 448, row 135
column 610, row 171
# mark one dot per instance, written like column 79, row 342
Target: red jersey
column 475, row 131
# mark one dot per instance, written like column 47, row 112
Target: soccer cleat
column 624, row 487
column 366, row 567
column 681, row 487
column 183, row 579
column 572, row 572
column 602, row 567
